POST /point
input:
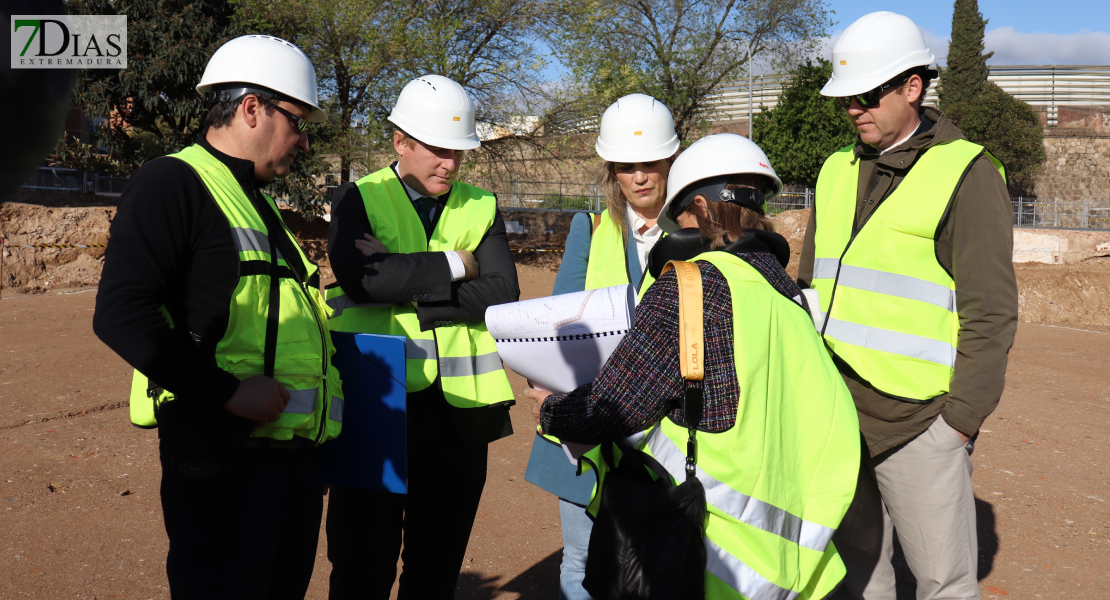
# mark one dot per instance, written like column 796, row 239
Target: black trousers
column 365, row 527
column 243, row 522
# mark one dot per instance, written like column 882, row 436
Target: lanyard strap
column 691, row 355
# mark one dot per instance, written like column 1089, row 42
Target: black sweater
column 171, row 245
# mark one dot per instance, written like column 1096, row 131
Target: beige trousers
column 927, row 498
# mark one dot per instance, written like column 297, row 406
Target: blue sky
column 1018, row 31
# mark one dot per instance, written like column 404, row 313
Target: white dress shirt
column 644, row 241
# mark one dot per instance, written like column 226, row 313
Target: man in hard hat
column 638, row 142
column 909, row 248
column 419, row 254
column 197, row 271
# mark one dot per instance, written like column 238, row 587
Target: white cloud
column 1012, row 47
column 1016, row 48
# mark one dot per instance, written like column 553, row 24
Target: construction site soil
column 79, row 509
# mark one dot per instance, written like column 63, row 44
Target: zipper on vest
column 326, row 397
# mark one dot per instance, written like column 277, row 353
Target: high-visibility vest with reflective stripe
column 302, row 362
column 777, row 483
column 608, row 262
column 893, row 312
column 463, row 355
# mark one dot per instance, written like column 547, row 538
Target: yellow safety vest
column 888, row 306
column 302, row 360
column 463, row 355
column 778, row 483
column 608, row 262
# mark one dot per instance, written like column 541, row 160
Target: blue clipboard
column 370, row 452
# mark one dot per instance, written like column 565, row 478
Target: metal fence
column 71, row 180
column 545, row 195
column 1052, row 213
column 564, row 196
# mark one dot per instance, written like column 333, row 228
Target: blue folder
column 370, row 452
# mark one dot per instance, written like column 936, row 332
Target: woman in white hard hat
column 777, row 440
column 638, row 142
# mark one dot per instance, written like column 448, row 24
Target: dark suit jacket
column 421, row 277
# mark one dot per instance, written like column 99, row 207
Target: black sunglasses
column 871, row 98
column 299, row 122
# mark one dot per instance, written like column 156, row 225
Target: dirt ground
column 81, row 516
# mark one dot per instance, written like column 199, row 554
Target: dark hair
column 220, row 114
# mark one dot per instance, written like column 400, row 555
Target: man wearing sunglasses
column 198, row 271
column 909, row 248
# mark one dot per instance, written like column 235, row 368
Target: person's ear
column 702, row 206
column 914, row 88
column 249, row 110
column 400, row 143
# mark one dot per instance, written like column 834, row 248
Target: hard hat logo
column 651, row 127
column 438, row 112
column 706, row 167
column 881, row 45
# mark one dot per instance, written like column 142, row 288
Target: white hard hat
column 438, row 112
column 268, row 62
column 636, row 128
column 717, row 155
column 872, row 51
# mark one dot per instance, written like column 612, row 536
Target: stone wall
column 1077, row 167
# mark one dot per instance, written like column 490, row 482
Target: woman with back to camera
column 637, row 141
column 778, row 442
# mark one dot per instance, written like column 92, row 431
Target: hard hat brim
column 611, row 154
column 438, row 141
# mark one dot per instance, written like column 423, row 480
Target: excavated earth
column 79, row 509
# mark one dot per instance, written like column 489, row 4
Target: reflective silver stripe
column 339, row 303
column 420, row 349
column 882, row 282
column 902, row 286
column 895, row 342
column 741, row 577
column 335, row 413
column 825, row 268
column 248, row 240
column 469, row 366
column 741, row 507
column 301, row 402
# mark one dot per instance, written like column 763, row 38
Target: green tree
column 356, row 47
column 365, row 51
column 966, row 75
column 678, row 51
column 151, row 108
column 987, row 115
column 805, row 127
column 1009, row 129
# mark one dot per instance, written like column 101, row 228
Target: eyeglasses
column 299, row 122
column 871, row 98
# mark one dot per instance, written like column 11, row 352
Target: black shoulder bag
column 648, row 539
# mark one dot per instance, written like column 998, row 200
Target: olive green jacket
column 976, row 246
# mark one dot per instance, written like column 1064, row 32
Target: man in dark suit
column 419, row 254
